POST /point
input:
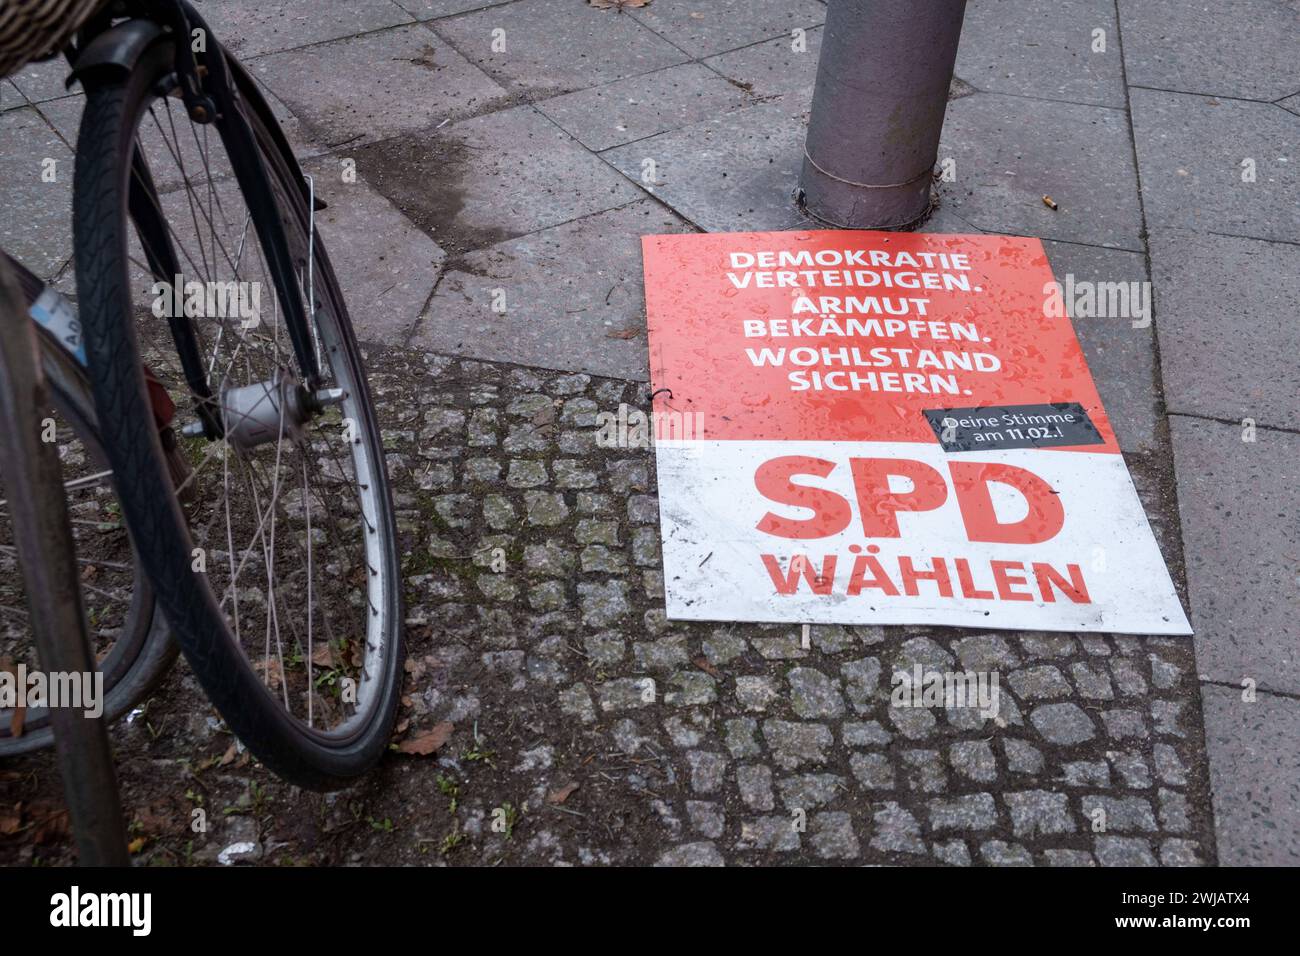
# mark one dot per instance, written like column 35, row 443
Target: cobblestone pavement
column 536, row 627
column 588, row 727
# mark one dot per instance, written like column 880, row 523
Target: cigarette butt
column 1049, row 202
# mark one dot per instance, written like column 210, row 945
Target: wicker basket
column 31, row 29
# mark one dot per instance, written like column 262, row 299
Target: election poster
column 887, row 428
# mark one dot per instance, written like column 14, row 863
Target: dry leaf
column 559, row 796
column 703, row 664
column 429, row 741
column 322, row 656
column 229, row 756
column 622, row 333
column 619, row 5
column 135, row 846
column 269, row 669
column 10, row 822
column 425, row 57
column 52, row 829
column 158, row 818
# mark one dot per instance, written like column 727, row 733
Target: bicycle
column 181, row 170
column 129, row 636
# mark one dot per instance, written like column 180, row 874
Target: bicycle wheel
column 128, row 635
column 283, row 586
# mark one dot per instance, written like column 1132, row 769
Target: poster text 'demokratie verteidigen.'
column 878, row 428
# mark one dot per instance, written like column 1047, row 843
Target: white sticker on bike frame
column 56, row 316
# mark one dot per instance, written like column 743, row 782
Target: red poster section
column 851, row 335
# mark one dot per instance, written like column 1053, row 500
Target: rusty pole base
column 831, row 200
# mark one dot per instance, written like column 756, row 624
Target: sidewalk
column 514, row 152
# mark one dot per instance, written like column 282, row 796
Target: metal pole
column 882, row 89
column 33, row 484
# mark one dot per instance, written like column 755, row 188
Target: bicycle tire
column 297, row 753
column 139, row 660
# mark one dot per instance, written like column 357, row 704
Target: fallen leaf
column 52, row 829
column 10, row 823
column 425, row 58
column 158, row 818
column 270, row 672
column 322, row 656
column 622, row 333
column 618, row 5
column 559, row 796
column 229, row 756
column 135, row 846
column 703, row 664
column 429, row 741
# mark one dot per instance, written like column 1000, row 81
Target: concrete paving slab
column 382, row 84
column 705, row 28
column 780, row 66
column 44, row 80
column 484, row 180
column 943, row 219
column 10, row 98
column 1121, row 357
column 65, row 116
column 1043, row 49
column 386, row 266
column 432, row 9
column 774, row 66
column 1240, row 508
column 1233, row 299
column 1247, row 48
column 1191, row 150
column 36, row 215
column 1255, row 776
column 250, row 28
column 551, row 47
column 1012, row 151
column 734, row 173
column 573, row 297
column 641, row 106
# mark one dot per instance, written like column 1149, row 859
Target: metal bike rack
column 34, row 485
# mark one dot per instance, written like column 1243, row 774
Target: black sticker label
column 1013, row 426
